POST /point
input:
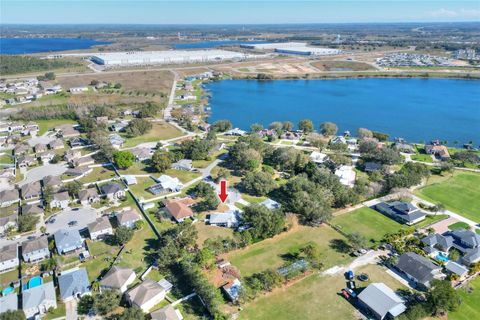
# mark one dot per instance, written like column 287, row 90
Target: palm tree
column 95, row 285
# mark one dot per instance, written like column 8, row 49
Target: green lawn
column 6, row 158
column 459, row 193
column 268, row 253
column 59, row 312
column 422, row 157
column 459, row 225
column 159, row 131
column 136, row 250
column 45, row 125
column 140, row 189
column 7, row 277
column 211, row 232
column 99, row 247
column 314, row 297
column 470, row 308
column 98, row 174
column 182, row 175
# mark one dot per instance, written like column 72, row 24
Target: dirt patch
column 342, row 65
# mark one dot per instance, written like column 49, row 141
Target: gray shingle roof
column 110, row 188
column 66, row 239
column 144, row 292
column 34, row 245
column 420, row 268
column 8, row 302
column 382, row 300
column 99, row 224
column 72, row 282
column 116, row 277
column 166, row 313
column 9, row 252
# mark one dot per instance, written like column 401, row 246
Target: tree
column 123, row 159
column 138, row 127
column 161, row 161
column 73, row 188
column 205, row 258
column 85, row 304
column 442, row 297
column 222, row 174
column 277, row 127
column 123, row 235
column 256, row 127
column 49, row 264
column 13, row 315
column 27, row 222
column 117, row 85
column 316, row 141
column 265, row 223
column 287, row 125
column 94, row 82
column 258, row 183
column 106, row 301
column 43, row 229
column 328, row 128
column 131, row 313
column 363, row 133
column 244, row 158
column 198, row 149
column 221, row 126
column 101, row 140
column 306, row 125
column 357, row 241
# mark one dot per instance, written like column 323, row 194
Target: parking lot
column 83, row 216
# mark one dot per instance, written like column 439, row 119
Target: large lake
column 37, row 45
column 415, row 109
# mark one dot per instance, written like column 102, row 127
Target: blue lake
column 36, row 45
column 210, row 44
column 415, row 109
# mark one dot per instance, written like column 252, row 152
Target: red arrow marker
column 223, row 190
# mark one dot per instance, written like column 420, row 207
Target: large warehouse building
column 298, row 48
column 166, row 57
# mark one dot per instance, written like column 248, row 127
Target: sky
column 234, row 11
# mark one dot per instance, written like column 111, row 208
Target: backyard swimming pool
column 6, row 291
column 442, row 257
column 34, row 282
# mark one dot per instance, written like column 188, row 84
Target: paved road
column 38, row 173
column 83, row 216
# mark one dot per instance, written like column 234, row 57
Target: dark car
column 72, row 223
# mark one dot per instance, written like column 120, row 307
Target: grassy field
column 140, row 189
column 210, row 232
column 470, row 308
column 459, row 225
column 422, row 157
column 268, row 253
column 45, row 125
column 182, row 175
column 7, row 277
column 136, row 250
column 314, row 297
column 59, row 312
column 159, row 131
column 98, row 174
column 99, row 247
column 342, row 66
column 460, row 193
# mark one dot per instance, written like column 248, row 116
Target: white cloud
column 460, row 13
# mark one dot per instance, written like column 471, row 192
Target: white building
column 347, row 175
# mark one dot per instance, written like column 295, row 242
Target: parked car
column 349, row 275
column 72, row 223
column 352, row 293
column 345, row 294
column 363, row 277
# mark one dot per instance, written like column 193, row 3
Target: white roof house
column 347, row 175
column 270, row 204
column 169, row 183
column 8, row 302
column 228, row 219
column 318, row 157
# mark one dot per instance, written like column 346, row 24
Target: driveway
column 371, row 257
column 83, row 216
column 71, row 308
column 37, row 174
column 45, row 139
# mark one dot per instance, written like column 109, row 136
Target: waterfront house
column 438, row 150
column 402, row 146
column 146, row 295
column 381, row 301
column 67, row 241
column 9, row 257
column 117, row 278
column 235, row 132
column 418, row 269
column 35, row 250
column 38, row 300
column 74, row 284
column 100, row 228
column 403, row 212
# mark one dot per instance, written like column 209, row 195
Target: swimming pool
column 442, row 257
column 6, row 291
column 34, row 282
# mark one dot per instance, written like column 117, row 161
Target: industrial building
column 297, row 48
column 166, row 57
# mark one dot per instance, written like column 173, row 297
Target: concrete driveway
column 71, row 308
column 45, row 139
column 37, row 174
column 83, row 216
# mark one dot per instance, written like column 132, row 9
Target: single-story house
column 67, row 131
column 402, row 146
column 31, row 190
column 26, row 161
column 78, row 171
column 418, row 269
column 38, row 300
column 456, row 268
column 166, row 184
column 9, row 197
column 9, row 257
column 184, row 164
column 347, row 175
column 116, row 140
column 142, row 154
column 8, row 303
column 113, row 191
column 52, row 181
column 146, row 295
column 232, row 289
column 179, row 209
column 128, row 218
column 32, row 209
column 46, row 156
column 235, row 132
column 84, row 161
column 74, row 284
column 438, row 150
column 70, row 155
column 381, row 301
column 21, row 149
column 100, row 228
column 130, row 180
column 271, row 204
column 60, row 200
column 88, row 196
column 372, row 166
column 77, row 142
column 118, row 278
column 166, row 313
column 8, row 222
column 403, row 212
column 318, row 157
column 67, row 241
column 228, row 219
column 35, row 249
column 56, row 144
column 40, row 147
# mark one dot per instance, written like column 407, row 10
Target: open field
column 373, row 225
column 147, row 81
column 137, row 250
column 342, row 66
column 211, row 232
column 182, row 175
column 159, row 131
column 268, row 253
column 314, row 297
column 45, row 125
column 460, row 193
column 469, row 309
column 140, row 189
column 98, row 174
